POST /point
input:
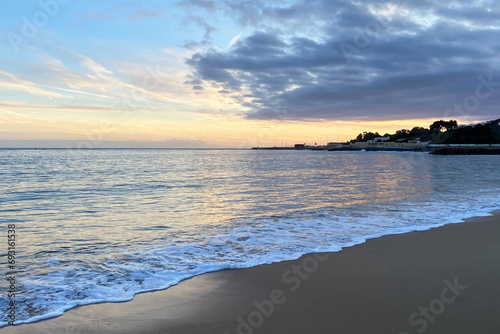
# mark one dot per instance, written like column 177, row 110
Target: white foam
column 240, row 243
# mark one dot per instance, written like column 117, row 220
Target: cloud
column 19, row 118
column 144, row 14
column 75, row 82
column 234, row 40
column 93, row 16
column 9, row 81
column 407, row 61
column 207, row 5
column 201, row 22
column 132, row 10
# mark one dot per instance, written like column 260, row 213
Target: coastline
column 434, row 149
column 373, row 287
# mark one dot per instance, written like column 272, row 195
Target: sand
column 445, row 280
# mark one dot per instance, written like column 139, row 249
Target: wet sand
column 445, row 280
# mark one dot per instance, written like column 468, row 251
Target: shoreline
column 306, row 294
column 435, row 149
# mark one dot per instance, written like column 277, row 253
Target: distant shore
column 444, row 280
column 438, row 149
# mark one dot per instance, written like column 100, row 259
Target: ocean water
column 104, row 225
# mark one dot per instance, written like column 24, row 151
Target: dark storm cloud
column 338, row 60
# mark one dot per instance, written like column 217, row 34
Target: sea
column 103, row 225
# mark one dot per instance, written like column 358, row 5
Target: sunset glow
column 201, row 73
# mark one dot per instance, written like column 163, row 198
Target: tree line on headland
column 444, row 132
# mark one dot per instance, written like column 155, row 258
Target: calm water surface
column 104, row 225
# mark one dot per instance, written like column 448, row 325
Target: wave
column 117, row 275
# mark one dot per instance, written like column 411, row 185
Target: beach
column 221, row 166
column 444, row 280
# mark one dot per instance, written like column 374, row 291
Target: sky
column 241, row 73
